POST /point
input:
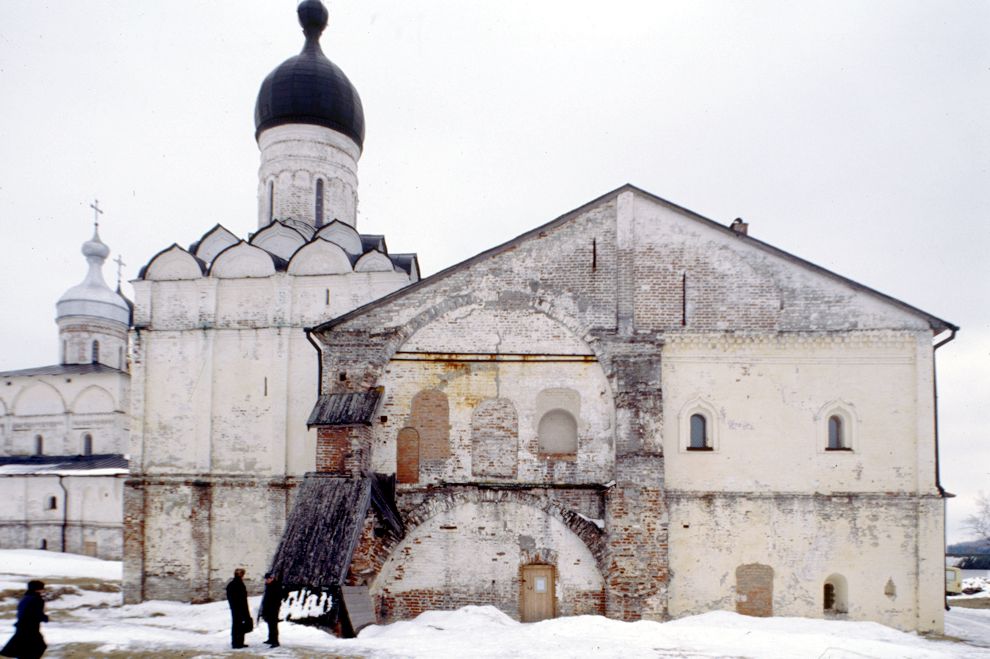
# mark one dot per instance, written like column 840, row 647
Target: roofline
column 939, row 323
column 934, row 322
column 31, row 372
column 437, row 276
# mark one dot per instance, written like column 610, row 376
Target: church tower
column 92, row 318
column 310, row 129
column 223, row 374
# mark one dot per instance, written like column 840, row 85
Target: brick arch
column 451, row 303
column 592, row 537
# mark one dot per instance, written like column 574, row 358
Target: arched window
column 836, row 436
column 319, row 203
column 87, row 444
column 558, row 433
column 835, row 594
column 699, row 433
column 96, row 351
column 65, row 351
column 39, row 445
column 43, row 545
column 52, row 503
column 271, row 200
column 836, row 426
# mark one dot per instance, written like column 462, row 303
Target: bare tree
column 979, row 522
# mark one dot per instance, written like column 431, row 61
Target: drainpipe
column 65, row 508
column 938, row 478
column 319, row 358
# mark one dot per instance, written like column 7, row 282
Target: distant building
column 65, row 428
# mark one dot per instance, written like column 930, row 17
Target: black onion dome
column 309, row 88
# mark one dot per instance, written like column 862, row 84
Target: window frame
column 701, row 408
column 848, row 420
column 705, row 444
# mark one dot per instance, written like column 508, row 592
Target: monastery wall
column 882, row 552
column 768, row 400
column 33, row 512
column 476, row 415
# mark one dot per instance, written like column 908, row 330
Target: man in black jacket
column 271, row 602
column 27, row 641
column 240, row 616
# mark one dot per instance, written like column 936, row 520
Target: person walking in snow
column 240, row 615
column 27, row 641
column 271, row 602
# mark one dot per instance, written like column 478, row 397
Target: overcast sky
column 853, row 134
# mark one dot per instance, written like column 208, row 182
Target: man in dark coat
column 240, row 616
column 271, row 602
column 27, row 641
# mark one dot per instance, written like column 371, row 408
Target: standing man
column 27, row 641
column 271, row 602
column 240, row 616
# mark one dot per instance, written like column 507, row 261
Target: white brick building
column 630, row 410
column 64, row 428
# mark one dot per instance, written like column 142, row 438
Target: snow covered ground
column 89, row 621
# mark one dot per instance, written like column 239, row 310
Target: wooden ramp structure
column 321, row 535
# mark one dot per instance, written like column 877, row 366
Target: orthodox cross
column 96, row 213
column 120, row 266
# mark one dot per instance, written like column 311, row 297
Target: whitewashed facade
column 64, row 428
column 673, row 415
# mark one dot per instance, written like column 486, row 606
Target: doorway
column 536, row 593
column 754, row 590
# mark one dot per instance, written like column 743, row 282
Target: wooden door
column 536, row 593
column 754, row 590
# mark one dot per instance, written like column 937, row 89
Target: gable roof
column 106, row 464
column 937, row 324
column 62, row 369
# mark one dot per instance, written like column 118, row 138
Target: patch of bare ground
column 93, row 651
column 971, row 603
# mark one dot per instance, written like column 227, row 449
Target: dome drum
column 90, row 308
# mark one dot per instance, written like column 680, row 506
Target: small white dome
column 93, row 297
